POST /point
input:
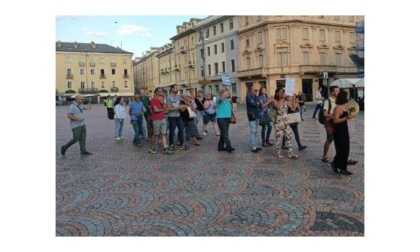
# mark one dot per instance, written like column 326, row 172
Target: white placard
column 290, row 86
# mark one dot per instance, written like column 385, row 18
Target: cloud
column 134, row 29
column 97, row 34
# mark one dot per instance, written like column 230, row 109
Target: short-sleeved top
column 325, row 106
column 199, row 104
column 155, row 116
column 173, row 101
column 318, row 97
column 77, row 111
column 146, row 103
column 224, row 109
column 136, row 108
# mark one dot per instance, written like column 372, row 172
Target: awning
column 349, row 83
column 117, row 94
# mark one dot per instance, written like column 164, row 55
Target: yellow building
column 96, row 69
column 273, row 48
column 167, row 65
column 146, row 70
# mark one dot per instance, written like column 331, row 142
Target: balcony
column 113, row 64
column 178, row 67
column 317, row 68
column 191, row 63
column 126, row 76
column 114, row 89
column 82, row 64
column 69, row 76
column 102, row 76
column 92, row 64
column 183, row 49
column 88, row 90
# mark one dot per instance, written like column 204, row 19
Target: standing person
column 319, row 99
column 159, row 124
column 209, row 115
column 119, row 116
column 199, row 102
column 265, row 117
column 109, row 104
column 328, row 108
column 189, row 123
column 224, row 112
column 253, row 110
column 78, row 126
column 145, row 128
column 136, row 118
column 302, row 98
column 281, row 126
column 341, row 133
column 293, row 107
column 234, row 102
column 173, row 105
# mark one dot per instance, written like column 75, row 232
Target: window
column 69, row 84
column 259, row 37
column 68, row 59
column 102, row 60
column 322, row 35
column 214, row 30
column 82, row 84
column 306, row 58
column 91, row 59
column 232, row 45
column 202, row 53
column 305, row 33
column 336, row 17
column 207, row 32
column 209, row 68
column 248, row 62
column 124, row 61
column 351, row 37
column 223, row 47
column 208, row 50
column 92, row 84
column 351, row 18
column 215, row 49
column 221, row 27
column 125, row 72
column 259, row 18
column 323, row 58
column 92, row 71
column 337, row 36
column 247, row 42
column 281, row 33
column 282, row 59
column 113, row 71
column 68, row 71
column 126, row 84
column 231, row 24
column 113, row 84
column 246, row 20
column 338, row 59
column 82, row 71
column 81, row 60
column 223, row 67
column 232, row 63
column 102, row 84
column 216, row 68
column 261, row 61
column 102, row 71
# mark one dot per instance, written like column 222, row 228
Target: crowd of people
column 178, row 118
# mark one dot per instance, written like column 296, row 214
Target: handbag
column 191, row 113
column 233, row 118
column 293, row 118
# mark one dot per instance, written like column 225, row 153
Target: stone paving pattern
column 122, row 190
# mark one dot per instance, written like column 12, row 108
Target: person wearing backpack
column 326, row 119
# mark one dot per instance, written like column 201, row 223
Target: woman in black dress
column 341, row 133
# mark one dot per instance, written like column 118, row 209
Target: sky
column 134, row 34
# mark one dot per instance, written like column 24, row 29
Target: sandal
column 293, row 156
column 326, row 160
column 351, row 162
column 279, row 156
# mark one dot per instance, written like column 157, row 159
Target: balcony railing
column 126, row 76
column 102, row 76
column 191, row 63
column 177, row 67
column 183, row 49
column 113, row 64
column 114, row 89
column 88, row 90
column 82, row 64
column 318, row 68
column 92, row 64
column 69, row 76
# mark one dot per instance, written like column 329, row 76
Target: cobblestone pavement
column 122, row 190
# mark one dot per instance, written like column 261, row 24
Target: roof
column 87, row 47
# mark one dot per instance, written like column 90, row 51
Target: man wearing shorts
column 159, row 125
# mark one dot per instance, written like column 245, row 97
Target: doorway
column 307, row 89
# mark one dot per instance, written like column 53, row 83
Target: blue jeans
column 224, row 141
column 253, row 136
column 118, row 127
column 137, row 127
column 318, row 107
column 302, row 109
column 176, row 122
column 144, row 132
column 197, row 120
column 266, row 132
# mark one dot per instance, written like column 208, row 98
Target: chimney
column 59, row 44
column 75, row 44
column 93, row 45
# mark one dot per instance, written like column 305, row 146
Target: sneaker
column 167, row 151
column 254, row 150
column 118, row 138
column 86, row 153
column 139, row 145
column 171, row 147
column 63, row 151
column 152, row 150
column 122, row 138
column 183, row 147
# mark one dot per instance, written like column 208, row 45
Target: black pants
column 79, row 135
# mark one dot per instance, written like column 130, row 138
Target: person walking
column 119, row 116
column 319, row 99
column 302, row 98
column 78, row 126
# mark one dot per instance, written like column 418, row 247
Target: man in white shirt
column 319, row 100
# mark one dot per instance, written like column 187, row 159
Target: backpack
column 321, row 117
